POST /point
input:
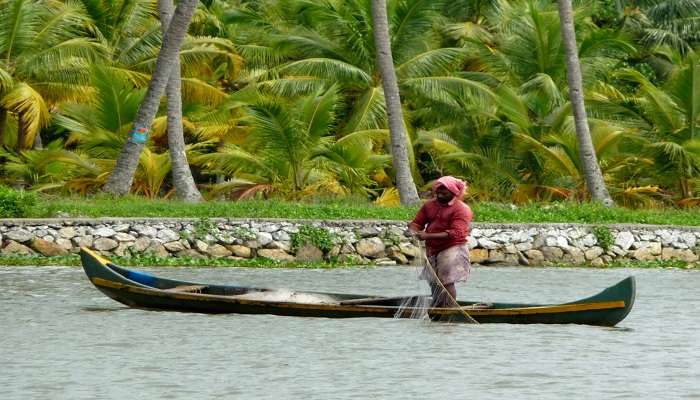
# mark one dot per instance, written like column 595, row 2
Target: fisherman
column 444, row 223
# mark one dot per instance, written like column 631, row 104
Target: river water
column 62, row 339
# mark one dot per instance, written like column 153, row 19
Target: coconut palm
column 119, row 182
column 45, row 55
column 510, row 162
column 589, row 161
column 332, row 43
column 291, row 151
column 181, row 174
column 519, row 57
column 673, row 23
column 399, row 146
column 668, row 116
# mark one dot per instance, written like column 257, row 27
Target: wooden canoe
column 145, row 291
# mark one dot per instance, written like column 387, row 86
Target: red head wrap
column 455, row 186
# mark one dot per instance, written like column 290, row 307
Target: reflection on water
column 62, row 339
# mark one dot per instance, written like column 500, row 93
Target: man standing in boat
column 444, row 223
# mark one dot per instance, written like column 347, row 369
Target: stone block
column 478, row 256
column 372, row 247
column 174, row 247
column 218, row 250
column 535, row 257
column 309, row 252
column 398, row 256
column 13, row 247
column 552, row 253
column 47, row 248
column 240, row 251
column 19, row 235
column 275, row 254
column 104, row 232
column 624, row 240
column 593, row 253
column 410, row 250
column 105, row 244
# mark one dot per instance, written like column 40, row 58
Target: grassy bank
column 484, row 212
column 153, row 261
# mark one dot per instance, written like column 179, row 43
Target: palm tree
column 589, row 161
column 122, row 176
column 399, row 144
column 672, row 23
column 667, row 116
column 45, row 55
column 332, row 43
column 97, row 127
column 291, row 151
column 517, row 54
column 181, row 174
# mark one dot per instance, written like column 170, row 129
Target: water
column 62, row 339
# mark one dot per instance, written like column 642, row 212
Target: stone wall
column 379, row 242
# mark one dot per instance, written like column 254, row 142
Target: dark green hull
column 140, row 290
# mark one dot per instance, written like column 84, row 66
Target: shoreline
column 308, row 243
column 265, row 263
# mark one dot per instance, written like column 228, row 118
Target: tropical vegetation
column 283, row 99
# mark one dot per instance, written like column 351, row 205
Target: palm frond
column 197, row 90
column 469, row 31
column 6, row 81
column 410, row 24
column 327, row 69
column 290, row 86
column 432, row 62
column 388, row 198
column 19, row 23
column 369, row 111
column 444, row 88
column 318, row 113
column 151, row 173
column 30, row 105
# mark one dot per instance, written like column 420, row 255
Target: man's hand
column 422, row 235
column 414, row 234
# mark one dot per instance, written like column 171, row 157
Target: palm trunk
column 21, row 133
column 694, row 110
column 685, row 188
column 589, row 162
column 399, row 142
column 38, row 143
column 3, row 126
column 119, row 182
column 185, row 187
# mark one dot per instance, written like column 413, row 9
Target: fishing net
column 417, row 307
column 287, row 296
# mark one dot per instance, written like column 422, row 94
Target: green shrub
column 319, row 237
column 243, row 233
column 203, row 227
column 390, row 238
column 15, row 203
column 604, row 237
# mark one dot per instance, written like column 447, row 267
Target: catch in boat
column 145, row 291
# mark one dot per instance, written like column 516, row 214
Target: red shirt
column 455, row 219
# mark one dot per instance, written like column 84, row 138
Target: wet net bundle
column 417, row 307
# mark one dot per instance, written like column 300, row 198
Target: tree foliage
column 282, row 98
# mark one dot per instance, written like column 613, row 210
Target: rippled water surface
column 62, row 339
